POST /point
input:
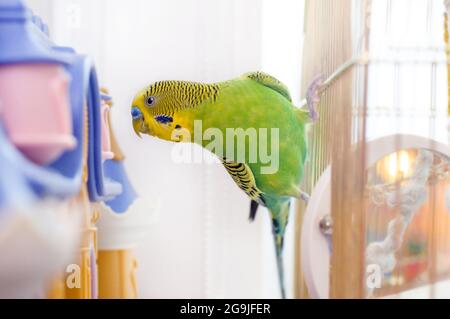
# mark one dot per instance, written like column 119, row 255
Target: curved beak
column 136, row 126
column 138, row 119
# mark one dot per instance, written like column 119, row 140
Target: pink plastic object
column 34, row 108
column 106, row 139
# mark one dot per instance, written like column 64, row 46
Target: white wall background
column 408, row 85
column 201, row 244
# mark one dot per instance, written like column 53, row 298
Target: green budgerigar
column 257, row 108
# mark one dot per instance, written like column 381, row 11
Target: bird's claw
column 313, row 96
column 304, row 196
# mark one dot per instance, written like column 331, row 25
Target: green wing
column 271, row 82
column 243, row 177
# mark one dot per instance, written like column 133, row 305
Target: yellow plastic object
column 57, row 288
column 76, row 283
column 117, row 274
column 83, row 291
column 118, row 154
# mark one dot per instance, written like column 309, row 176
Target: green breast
column 244, row 103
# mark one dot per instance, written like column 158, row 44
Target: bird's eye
column 150, row 101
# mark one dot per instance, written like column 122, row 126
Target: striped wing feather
column 243, row 177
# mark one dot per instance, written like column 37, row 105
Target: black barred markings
column 271, row 82
column 172, row 96
column 243, row 177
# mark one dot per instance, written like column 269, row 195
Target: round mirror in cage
column 407, row 222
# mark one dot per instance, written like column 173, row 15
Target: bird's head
column 154, row 107
column 166, row 108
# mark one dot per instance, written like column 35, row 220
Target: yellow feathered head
column 166, row 107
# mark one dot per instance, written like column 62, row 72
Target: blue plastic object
column 24, row 39
column 41, row 30
column 14, row 190
column 40, row 24
column 23, row 42
column 99, row 188
column 84, row 88
column 116, row 171
column 20, row 43
column 105, row 96
column 41, row 181
column 71, row 162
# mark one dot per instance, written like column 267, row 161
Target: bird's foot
column 304, row 196
column 313, row 96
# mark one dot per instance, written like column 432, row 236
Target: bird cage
column 377, row 223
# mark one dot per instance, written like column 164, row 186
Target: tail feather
column 279, row 211
column 279, row 223
column 253, row 209
column 280, row 266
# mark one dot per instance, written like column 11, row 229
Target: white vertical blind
column 408, row 76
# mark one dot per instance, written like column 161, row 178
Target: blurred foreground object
column 54, row 151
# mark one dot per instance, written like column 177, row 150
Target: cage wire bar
column 329, row 28
column 407, row 58
column 386, row 75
